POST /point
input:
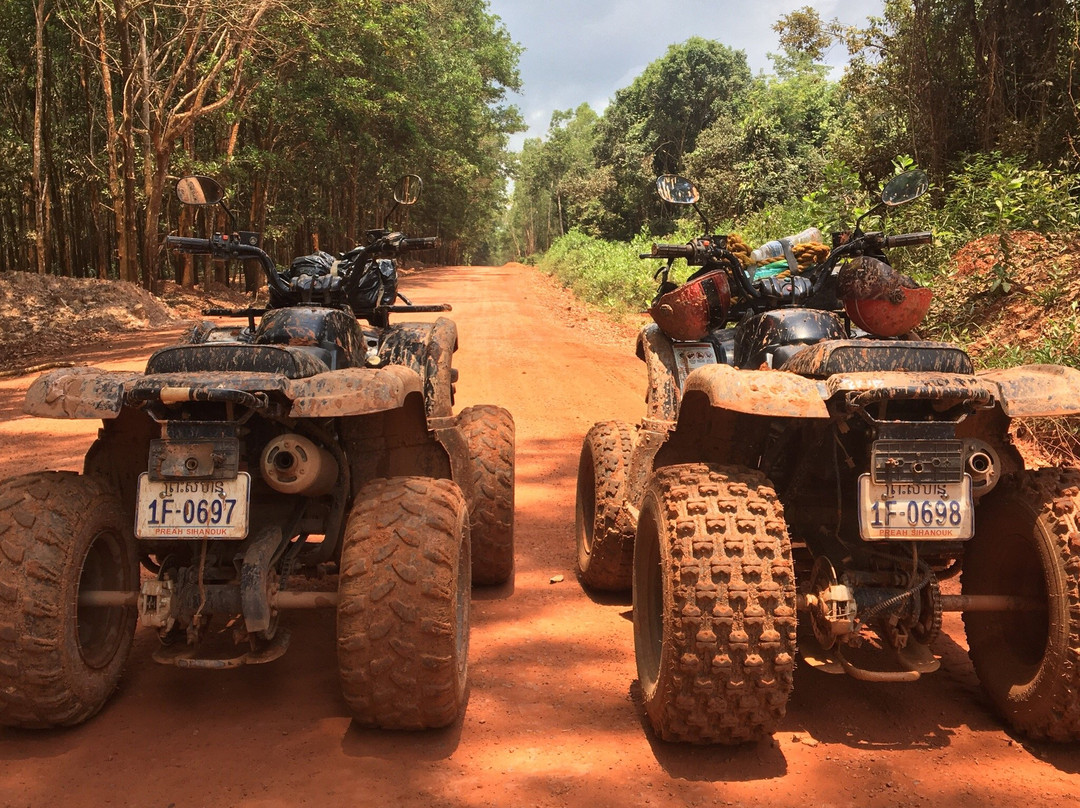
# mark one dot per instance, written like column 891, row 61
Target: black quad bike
column 799, row 484
column 301, row 461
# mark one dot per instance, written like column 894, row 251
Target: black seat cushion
column 860, row 355
column 289, row 361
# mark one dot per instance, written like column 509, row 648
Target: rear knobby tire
column 61, row 533
column 714, row 605
column 1027, row 544
column 403, row 610
column 605, row 536
column 489, row 434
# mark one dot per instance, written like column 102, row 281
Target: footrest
column 188, row 657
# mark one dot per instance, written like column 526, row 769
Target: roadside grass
column 610, row 274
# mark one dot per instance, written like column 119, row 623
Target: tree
column 653, row 123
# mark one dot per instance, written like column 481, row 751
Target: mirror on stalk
column 408, row 190
column 904, row 188
column 677, row 190
column 196, row 190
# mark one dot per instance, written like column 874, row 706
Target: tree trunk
column 129, row 270
column 39, row 180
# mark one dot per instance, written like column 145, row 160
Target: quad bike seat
column 292, row 362
column 828, row 358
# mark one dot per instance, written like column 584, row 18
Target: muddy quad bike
column 243, row 470
column 793, row 471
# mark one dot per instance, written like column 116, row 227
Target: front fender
column 770, row 393
column 427, row 348
column 655, row 350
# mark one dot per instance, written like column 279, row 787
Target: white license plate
column 916, row 512
column 193, row 509
column 691, row 355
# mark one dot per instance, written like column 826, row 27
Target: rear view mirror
column 677, row 190
column 904, row 188
column 408, row 189
column 196, row 190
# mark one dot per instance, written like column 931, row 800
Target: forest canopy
column 307, row 110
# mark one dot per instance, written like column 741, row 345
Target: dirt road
column 553, row 716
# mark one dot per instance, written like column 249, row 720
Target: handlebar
column 223, row 246
column 671, row 251
column 193, row 246
column 909, row 239
column 425, row 243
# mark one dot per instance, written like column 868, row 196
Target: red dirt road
column 553, row 717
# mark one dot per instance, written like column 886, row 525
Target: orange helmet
column 695, row 308
column 887, row 319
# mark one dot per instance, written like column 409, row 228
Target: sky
column 585, row 50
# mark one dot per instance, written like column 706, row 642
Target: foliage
column 306, row 109
column 610, row 274
column 650, row 126
column 556, row 186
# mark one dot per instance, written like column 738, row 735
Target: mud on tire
column 61, row 533
column 489, row 433
column 403, row 610
column 1027, row 544
column 605, row 539
column 714, row 604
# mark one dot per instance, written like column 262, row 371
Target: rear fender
column 78, row 393
column 1035, row 391
column 93, row 393
column 352, row 391
column 768, row 393
column 726, row 414
column 402, row 442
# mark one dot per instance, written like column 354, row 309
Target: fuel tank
column 772, row 337
column 332, row 330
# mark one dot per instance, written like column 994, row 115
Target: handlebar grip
column 195, row 246
column 909, row 239
column 672, row 251
column 426, row 243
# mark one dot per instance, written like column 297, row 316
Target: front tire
column 403, row 610
column 1027, row 544
column 714, row 605
column 605, row 538
column 60, row 534
column 489, row 434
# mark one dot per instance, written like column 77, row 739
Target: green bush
column 610, row 274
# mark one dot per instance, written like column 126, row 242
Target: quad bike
column 299, row 462
column 801, row 483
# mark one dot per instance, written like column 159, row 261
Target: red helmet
column 696, row 307
column 887, row 319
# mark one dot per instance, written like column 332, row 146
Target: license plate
column 193, row 509
column 916, row 511
column 691, row 355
